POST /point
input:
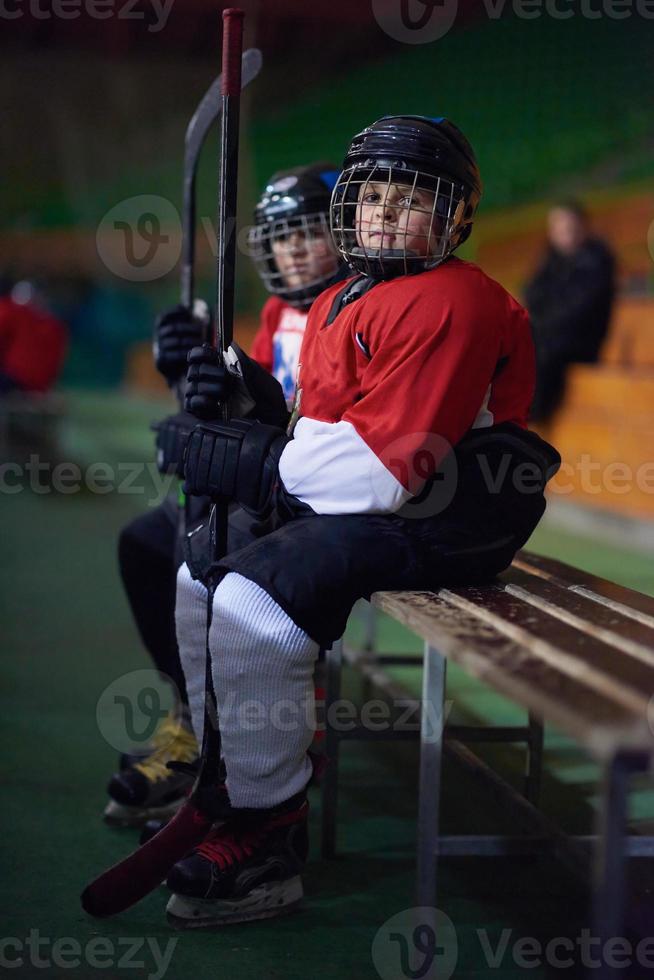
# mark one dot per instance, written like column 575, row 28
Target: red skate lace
column 229, row 844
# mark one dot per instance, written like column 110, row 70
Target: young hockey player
column 292, row 249
column 419, row 367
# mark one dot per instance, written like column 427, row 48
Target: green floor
column 68, row 635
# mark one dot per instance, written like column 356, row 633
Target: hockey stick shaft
column 228, row 178
column 225, row 284
column 203, row 119
column 227, row 196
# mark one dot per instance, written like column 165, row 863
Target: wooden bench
column 574, row 651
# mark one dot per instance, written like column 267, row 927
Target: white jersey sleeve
column 358, row 480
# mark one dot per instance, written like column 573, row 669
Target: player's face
column 304, row 255
column 397, row 216
column 566, row 230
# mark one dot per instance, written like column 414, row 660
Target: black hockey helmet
column 295, row 204
column 415, row 152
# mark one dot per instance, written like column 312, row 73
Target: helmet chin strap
column 456, row 220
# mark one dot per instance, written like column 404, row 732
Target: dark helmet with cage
column 290, row 241
column 407, row 196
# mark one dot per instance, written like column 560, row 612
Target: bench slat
column 598, row 721
column 630, row 603
column 572, row 651
column 609, row 625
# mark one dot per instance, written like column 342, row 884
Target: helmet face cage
column 389, row 220
column 282, row 235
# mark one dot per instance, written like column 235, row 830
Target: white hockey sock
column 191, row 627
column 263, row 677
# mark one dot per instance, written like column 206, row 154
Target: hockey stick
column 196, row 133
column 136, row 876
column 206, row 114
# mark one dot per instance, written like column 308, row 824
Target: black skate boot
column 246, row 869
column 151, row 789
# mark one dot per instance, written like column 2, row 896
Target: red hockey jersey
column 397, row 379
column 277, row 342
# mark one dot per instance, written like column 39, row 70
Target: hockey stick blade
column 127, row 882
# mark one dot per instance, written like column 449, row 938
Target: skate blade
column 119, row 815
column 265, row 902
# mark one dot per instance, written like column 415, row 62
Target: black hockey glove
column 213, row 379
column 176, row 332
column 208, row 382
column 171, row 437
column 236, row 459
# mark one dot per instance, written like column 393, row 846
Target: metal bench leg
column 371, row 617
column 534, row 760
column 333, row 662
column 369, row 645
column 610, row 860
column 431, row 752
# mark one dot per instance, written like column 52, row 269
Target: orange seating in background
column 507, row 245
column 631, row 338
column 607, row 416
column 604, row 429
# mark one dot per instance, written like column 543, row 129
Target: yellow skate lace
column 173, row 743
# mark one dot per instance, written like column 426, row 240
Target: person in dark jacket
column 569, row 299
